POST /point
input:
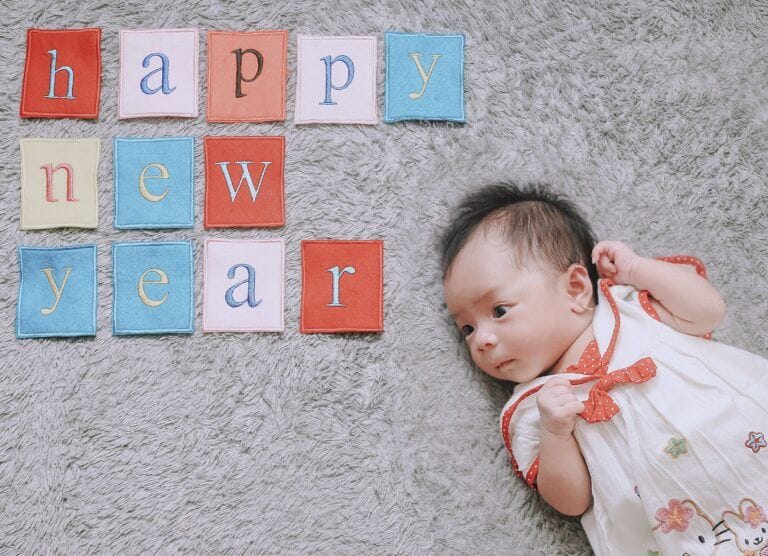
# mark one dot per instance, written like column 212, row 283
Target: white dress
column 675, row 436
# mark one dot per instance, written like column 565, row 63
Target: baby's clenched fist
column 558, row 406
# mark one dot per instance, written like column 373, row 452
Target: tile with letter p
column 342, row 286
column 153, row 285
column 57, row 292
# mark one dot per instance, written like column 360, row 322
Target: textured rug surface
column 652, row 116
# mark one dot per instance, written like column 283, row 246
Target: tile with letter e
column 62, row 74
column 154, row 182
column 246, row 76
column 57, row 292
column 158, row 73
column 424, row 77
column 336, row 80
column 244, row 185
column 58, row 183
column 342, row 286
column 243, row 285
column 153, row 286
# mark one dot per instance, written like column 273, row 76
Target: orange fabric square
column 246, row 76
column 62, row 74
column 342, row 286
column 244, row 182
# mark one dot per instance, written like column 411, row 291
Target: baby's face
column 512, row 320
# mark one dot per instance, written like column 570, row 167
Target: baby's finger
column 574, row 408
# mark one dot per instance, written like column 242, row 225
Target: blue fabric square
column 154, row 182
column 424, row 77
column 153, row 288
column 57, row 292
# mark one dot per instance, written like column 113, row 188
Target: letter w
column 233, row 191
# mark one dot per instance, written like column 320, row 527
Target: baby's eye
column 466, row 330
column 500, row 310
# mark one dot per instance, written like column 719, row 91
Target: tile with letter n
column 342, row 286
column 154, row 182
column 424, row 77
column 244, row 182
column 243, row 285
column 62, row 74
column 57, row 291
column 153, row 285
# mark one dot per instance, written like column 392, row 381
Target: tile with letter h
column 424, row 77
column 57, row 292
column 244, row 182
column 153, row 285
column 154, row 182
column 336, row 80
column 246, row 76
column 62, row 74
column 58, row 183
column 243, row 285
column 342, row 286
column 158, row 73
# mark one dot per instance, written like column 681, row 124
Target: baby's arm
column 563, row 478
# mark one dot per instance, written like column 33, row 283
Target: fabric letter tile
column 57, row 292
column 246, row 76
column 154, row 182
column 342, row 286
column 58, row 183
column 244, row 182
column 62, row 74
column 424, row 77
column 243, row 285
column 153, row 286
column 158, row 73
column 336, row 80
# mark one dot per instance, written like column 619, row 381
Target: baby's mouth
column 503, row 363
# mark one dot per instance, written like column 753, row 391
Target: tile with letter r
column 342, row 285
column 158, row 73
column 244, row 182
column 424, row 77
column 62, row 74
column 153, row 288
column 246, row 76
column 58, row 183
column 57, row 291
column 154, row 182
column 243, row 285
column 336, row 80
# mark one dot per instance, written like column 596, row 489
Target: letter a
column 329, row 76
column 54, row 71
column 57, row 290
column 239, row 71
column 164, row 68
column 245, row 177
column 49, row 171
column 416, row 57
column 337, row 274
column 229, row 297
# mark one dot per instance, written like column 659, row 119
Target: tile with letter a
column 158, row 73
column 246, row 76
column 424, row 77
column 244, row 182
column 62, row 74
column 57, row 292
column 154, row 182
column 153, row 285
column 243, row 285
column 342, row 286
column 58, row 183
column 336, row 80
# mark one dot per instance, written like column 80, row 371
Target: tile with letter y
column 58, row 183
column 57, row 292
column 154, row 182
column 243, row 285
column 342, row 285
column 62, row 74
column 424, row 77
column 244, row 182
column 153, row 288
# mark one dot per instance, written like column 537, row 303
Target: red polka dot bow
column 599, row 406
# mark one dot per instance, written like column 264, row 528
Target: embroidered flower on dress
column 676, row 447
column 754, row 515
column 756, row 441
column 675, row 517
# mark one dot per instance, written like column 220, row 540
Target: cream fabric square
column 58, row 183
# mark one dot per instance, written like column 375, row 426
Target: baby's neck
column 573, row 353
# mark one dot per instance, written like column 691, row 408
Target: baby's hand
column 615, row 261
column 558, row 406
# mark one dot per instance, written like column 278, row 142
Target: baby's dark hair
column 539, row 225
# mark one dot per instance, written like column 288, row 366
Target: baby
column 625, row 412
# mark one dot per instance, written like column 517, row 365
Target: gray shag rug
column 652, row 116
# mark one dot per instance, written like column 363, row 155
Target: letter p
column 329, row 86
